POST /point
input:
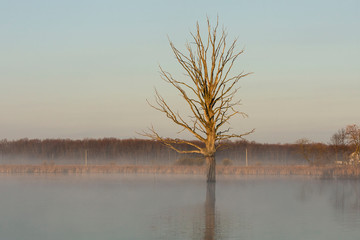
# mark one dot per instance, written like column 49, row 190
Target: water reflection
column 264, row 209
column 137, row 207
column 209, row 233
column 346, row 197
column 343, row 195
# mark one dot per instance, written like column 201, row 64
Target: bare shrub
column 226, row 162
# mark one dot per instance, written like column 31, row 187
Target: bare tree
column 339, row 138
column 304, row 149
column 353, row 139
column 209, row 94
column 314, row 153
column 353, row 136
column 338, row 142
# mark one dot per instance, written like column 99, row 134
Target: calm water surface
column 177, row 207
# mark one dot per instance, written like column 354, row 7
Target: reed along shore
column 290, row 170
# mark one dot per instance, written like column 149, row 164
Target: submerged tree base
column 210, row 169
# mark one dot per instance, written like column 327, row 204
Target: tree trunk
column 210, row 169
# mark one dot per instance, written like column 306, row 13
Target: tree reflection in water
column 209, row 233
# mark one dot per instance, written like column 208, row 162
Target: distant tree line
column 344, row 148
column 99, row 151
column 139, row 151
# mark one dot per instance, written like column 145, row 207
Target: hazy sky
column 84, row 69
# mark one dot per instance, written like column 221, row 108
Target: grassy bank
column 322, row 172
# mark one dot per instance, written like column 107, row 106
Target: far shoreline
column 325, row 172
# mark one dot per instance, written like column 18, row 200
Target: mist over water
column 177, row 207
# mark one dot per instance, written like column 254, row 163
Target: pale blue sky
column 84, row 69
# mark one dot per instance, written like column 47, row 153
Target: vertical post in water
column 86, row 153
column 169, row 156
column 246, row 157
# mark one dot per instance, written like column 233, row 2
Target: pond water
column 177, row 207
